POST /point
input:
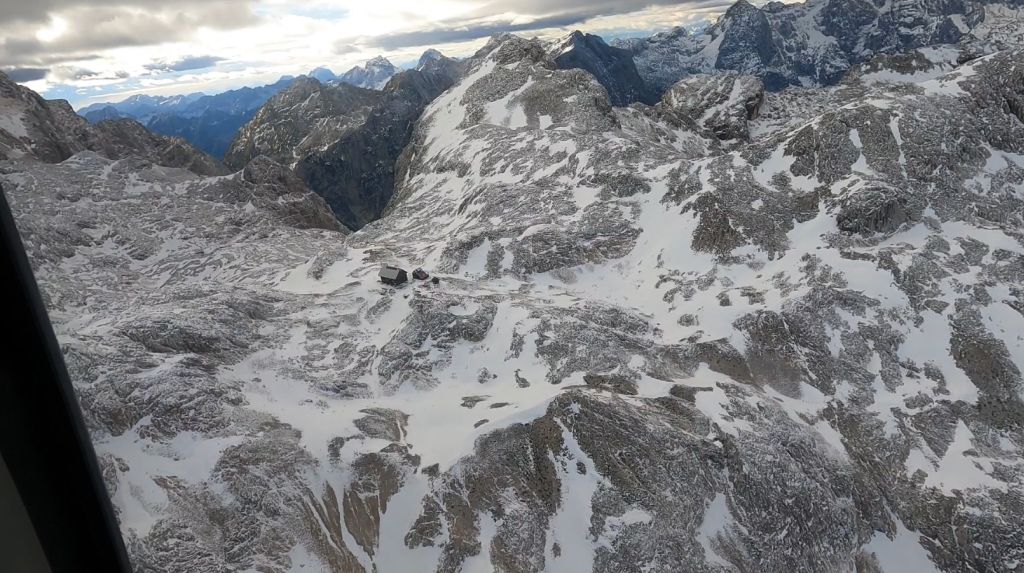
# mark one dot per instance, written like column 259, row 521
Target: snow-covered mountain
column 429, row 56
column 733, row 331
column 815, row 42
column 344, row 141
column 373, row 75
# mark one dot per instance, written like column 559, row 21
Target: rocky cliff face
column 651, row 348
column 306, row 116
column 50, row 131
column 613, row 68
column 815, row 42
column 345, row 148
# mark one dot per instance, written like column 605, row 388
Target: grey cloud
column 71, row 73
column 559, row 14
column 22, row 11
column 184, row 64
column 462, row 32
column 39, row 11
column 95, row 29
column 26, row 74
column 342, row 48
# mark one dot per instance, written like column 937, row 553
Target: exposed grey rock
column 355, row 171
column 383, row 424
column 301, row 118
column 722, row 104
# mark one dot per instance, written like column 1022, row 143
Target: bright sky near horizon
column 87, row 51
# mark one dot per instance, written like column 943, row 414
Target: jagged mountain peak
column 300, row 118
column 374, row 74
column 741, row 7
column 378, row 62
column 344, row 140
column 578, row 36
column 507, row 49
column 305, row 83
column 322, row 74
column 429, row 56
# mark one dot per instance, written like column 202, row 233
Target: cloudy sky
column 105, row 50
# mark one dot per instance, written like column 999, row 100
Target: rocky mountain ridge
column 342, row 140
column 814, row 43
column 304, row 116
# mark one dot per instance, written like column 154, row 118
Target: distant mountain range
column 208, row 122
column 807, row 44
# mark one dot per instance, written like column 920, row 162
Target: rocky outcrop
column 723, row 104
column 125, row 137
column 278, row 190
